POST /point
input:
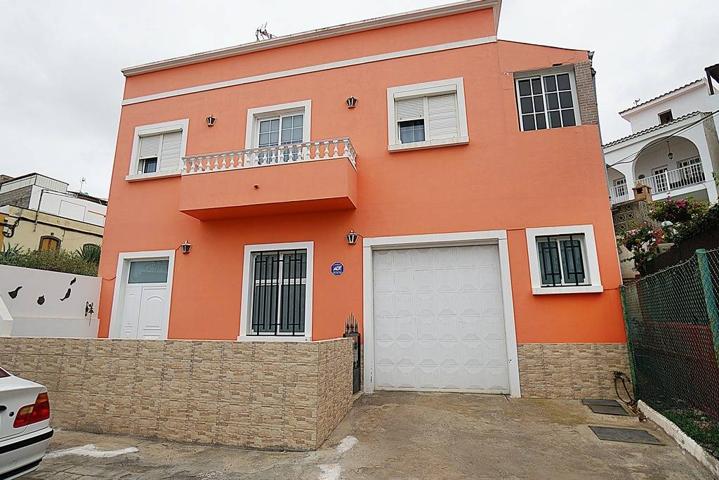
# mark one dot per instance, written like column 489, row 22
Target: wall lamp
column 351, row 102
column 352, row 237
column 185, row 247
column 210, row 120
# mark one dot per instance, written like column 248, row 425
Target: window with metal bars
column 278, row 293
column 562, row 260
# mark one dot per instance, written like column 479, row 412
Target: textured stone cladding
column 570, row 370
column 266, row 395
column 19, row 197
column 586, row 93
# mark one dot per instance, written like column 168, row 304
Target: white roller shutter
column 150, row 146
column 409, row 108
column 170, row 159
column 443, row 122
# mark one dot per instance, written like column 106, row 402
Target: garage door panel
column 439, row 321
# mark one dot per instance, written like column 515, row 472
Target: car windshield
column 3, row 373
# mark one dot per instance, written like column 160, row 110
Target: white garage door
column 438, row 320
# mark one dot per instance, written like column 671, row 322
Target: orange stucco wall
column 503, row 179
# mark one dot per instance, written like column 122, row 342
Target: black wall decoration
column 13, row 293
column 67, row 295
column 41, row 299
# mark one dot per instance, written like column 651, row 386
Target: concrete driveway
column 401, row 436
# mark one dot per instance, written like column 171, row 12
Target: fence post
column 630, row 347
column 705, row 274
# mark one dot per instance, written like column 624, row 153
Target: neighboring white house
column 40, row 213
column 673, row 148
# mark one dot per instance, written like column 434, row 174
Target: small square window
column 411, row 131
column 148, row 165
column 665, row 117
column 563, row 260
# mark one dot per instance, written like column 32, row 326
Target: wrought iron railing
column 275, row 155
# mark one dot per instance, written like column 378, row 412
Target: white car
column 24, row 425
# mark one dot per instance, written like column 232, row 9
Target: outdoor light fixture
column 670, row 154
column 210, row 120
column 185, row 247
column 352, row 237
column 351, row 102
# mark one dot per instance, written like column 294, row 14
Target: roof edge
column 318, row 34
column 647, row 103
column 653, row 128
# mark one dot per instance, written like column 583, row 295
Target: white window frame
column 439, row 87
column 121, row 277
column 181, row 125
column 247, row 284
column 254, row 115
column 594, row 281
column 541, row 73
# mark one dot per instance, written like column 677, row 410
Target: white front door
column 439, row 321
column 145, row 306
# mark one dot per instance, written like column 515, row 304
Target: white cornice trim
column 320, row 33
column 312, row 68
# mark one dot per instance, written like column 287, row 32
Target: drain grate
column 627, row 435
column 605, row 407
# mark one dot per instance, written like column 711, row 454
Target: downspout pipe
column 37, row 210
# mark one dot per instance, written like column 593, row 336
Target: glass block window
column 547, row 101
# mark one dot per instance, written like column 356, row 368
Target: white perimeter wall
column 23, row 316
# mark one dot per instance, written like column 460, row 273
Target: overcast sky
column 60, row 61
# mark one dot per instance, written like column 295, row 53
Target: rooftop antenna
column 637, row 101
column 262, row 34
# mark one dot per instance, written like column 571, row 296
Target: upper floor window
column 158, row 149
column 274, row 125
column 547, row 101
column 665, row 117
column 427, row 114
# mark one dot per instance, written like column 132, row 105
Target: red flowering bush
column 643, row 242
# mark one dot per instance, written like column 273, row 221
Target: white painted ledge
column 684, row 441
column 268, row 338
column 448, row 142
column 562, row 290
column 150, row 176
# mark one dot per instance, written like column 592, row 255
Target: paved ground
column 405, row 436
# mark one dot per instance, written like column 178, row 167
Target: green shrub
column 56, row 261
column 678, row 217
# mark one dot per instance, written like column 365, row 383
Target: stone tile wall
column 266, row 395
column 570, row 370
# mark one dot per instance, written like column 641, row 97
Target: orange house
column 444, row 188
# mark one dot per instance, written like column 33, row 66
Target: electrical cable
column 624, row 378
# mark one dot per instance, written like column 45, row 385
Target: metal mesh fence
column 673, row 327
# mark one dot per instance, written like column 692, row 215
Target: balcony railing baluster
column 275, row 155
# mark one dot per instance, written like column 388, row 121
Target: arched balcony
column 671, row 167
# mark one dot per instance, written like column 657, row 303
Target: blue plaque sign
column 337, row 268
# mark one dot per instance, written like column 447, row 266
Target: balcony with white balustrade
column 679, row 182
column 672, row 167
column 317, row 175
